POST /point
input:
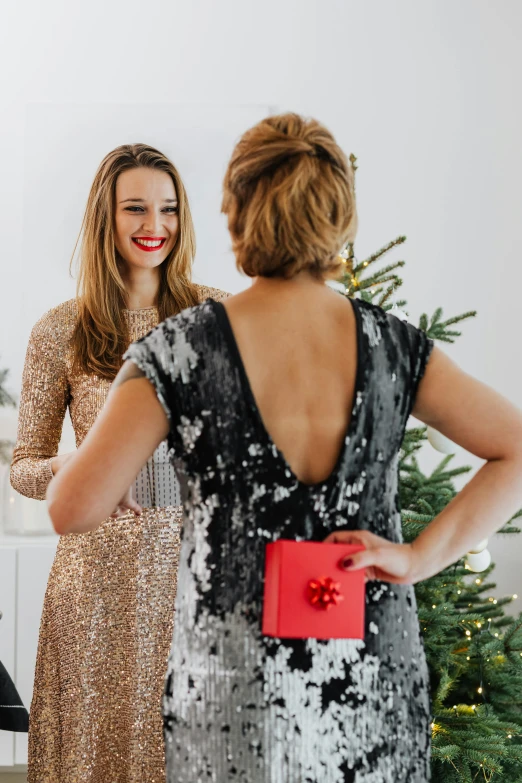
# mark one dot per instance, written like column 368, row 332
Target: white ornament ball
column 479, row 547
column 478, row 562
column 440, row 442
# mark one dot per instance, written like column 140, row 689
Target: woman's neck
column 300, row 283
column 141, row 286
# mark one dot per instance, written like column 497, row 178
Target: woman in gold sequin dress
column 108, row 611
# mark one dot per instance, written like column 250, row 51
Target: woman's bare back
column 298, row 343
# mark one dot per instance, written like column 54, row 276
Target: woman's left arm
column 484, row 423
column 92, row 483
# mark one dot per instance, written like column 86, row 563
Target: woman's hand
column 58, row 462
column 126, row 504
column 381, row 559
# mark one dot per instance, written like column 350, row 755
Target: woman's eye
column 167, row 210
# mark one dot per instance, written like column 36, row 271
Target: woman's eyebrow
column 166, row 200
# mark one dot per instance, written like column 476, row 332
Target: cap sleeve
column 171, row 357
column 167, row 359
column 419, row 347
column 149, row 355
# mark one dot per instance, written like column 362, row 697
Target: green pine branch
column 360, row 267
column 6, row 399
column 436, row 329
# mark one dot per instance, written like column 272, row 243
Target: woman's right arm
column 487, row 425
column 484, row 423
column 43, row 403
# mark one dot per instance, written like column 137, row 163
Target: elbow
column 14, row 480
column 67, row 513
column 64, row 521
column 512, row 451
column 61, row 521
column 17, row 480
column 30, row 477
column 61, row 509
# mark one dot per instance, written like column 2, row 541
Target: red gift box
column 309, row 595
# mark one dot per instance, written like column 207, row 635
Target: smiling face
column 146, row 222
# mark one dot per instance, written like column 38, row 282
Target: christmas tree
column 473, row 648
column 6, row 446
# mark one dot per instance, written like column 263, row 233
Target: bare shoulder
column 206, row 292
column 129, row 371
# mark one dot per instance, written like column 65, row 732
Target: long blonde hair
column 101, row 337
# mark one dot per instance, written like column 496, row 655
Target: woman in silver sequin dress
column 108, row 610
column 284, row 410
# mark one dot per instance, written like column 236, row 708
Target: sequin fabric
column 239, row 706
column 108, row 610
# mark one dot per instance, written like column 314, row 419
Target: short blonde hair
column 289, row 198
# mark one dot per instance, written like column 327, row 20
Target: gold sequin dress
column 108, row 613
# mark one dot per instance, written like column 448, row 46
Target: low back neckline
column 224, row 321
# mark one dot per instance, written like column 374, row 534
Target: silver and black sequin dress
column 240, row 706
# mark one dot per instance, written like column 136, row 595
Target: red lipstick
column 158, row 243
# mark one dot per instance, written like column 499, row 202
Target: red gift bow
column 323, row 593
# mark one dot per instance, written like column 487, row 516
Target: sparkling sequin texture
column 239, row 706
column 108, row 611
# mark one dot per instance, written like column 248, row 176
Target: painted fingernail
column 347, row 562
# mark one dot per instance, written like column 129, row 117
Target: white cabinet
column 7, row 636
column 33, row 566
column 24, row 568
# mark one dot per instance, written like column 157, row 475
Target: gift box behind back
column 309, row 595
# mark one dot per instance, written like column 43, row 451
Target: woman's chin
column 145, row 261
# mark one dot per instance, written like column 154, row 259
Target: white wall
column 425, row 93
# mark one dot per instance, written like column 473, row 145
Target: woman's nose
column 152, row 224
